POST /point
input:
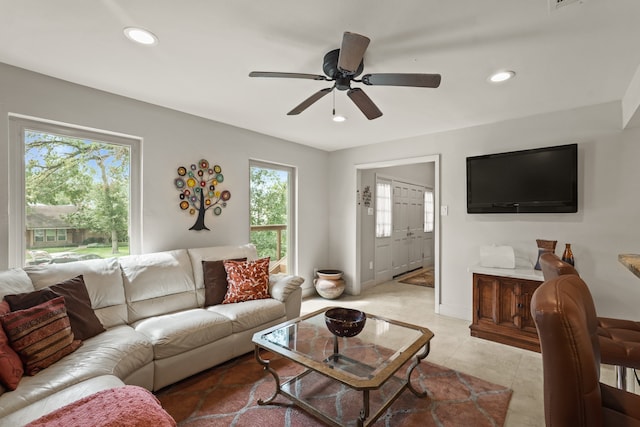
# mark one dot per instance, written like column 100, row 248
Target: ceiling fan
column 342, row 66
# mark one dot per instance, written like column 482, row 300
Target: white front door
column 408, row 227
column 416, row 227
column 401, row 228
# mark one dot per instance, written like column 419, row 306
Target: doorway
column 374, row 252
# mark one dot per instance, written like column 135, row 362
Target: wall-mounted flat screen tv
column 541, row 180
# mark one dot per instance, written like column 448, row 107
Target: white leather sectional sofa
column 158, row 330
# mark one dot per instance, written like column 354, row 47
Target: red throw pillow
column 248, row 280
column 215, row 281
column 41, row 335
column 11, row 369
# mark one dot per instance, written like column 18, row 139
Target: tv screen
column 541, row 180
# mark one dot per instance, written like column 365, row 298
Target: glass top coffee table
column 345, row 380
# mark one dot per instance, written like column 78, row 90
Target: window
column 272, row 198
column 383, row 209
column 72, row 190
column 428, row 210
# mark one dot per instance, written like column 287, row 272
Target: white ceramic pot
column 329, row 283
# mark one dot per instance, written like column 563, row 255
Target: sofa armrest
column 282, row 285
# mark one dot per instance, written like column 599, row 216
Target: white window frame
column 18, row 124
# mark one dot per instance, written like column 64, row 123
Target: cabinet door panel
column 526, row 292
column 507, row 302
column 485, row 296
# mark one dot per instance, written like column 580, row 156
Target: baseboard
column 367, row 285
column 458, row 312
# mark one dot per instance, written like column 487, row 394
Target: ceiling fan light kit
column 342, row 66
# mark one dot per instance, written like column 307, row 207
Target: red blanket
column 128, row 406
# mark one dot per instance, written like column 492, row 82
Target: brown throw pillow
column 29, row 299
column 41, row 335
column 248, row 280
column 11, row 369
column 84, row 322
column 215, row 281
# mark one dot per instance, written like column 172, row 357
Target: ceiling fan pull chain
column 334, row 103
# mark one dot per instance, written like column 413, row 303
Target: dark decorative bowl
column 345, row 322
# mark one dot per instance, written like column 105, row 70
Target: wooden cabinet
column 502, row 310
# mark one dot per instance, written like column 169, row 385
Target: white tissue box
column 497, row 256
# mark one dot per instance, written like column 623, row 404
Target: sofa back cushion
column 14, row 281
column 102, row 278
column 215, row 253
column 158, row 283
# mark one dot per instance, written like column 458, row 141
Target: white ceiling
column 584, row 53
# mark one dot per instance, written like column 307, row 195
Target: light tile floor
column 454, row 347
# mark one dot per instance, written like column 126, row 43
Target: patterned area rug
column 423, row 277
column 227, row 396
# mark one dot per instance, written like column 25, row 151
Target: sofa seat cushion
column 250, row 314
column 61, row 398
column 182, row 331
column 118, row 351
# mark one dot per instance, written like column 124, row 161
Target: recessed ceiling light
column 502, row 76
column 140, row 35
column 339, row 118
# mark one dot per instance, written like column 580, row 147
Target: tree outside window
column 77, row 195
column 269, row 198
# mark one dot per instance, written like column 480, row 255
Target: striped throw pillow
column 41, row 335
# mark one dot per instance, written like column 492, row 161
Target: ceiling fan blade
column 352, row 51
column 413, row 80
column 287, row 75
column 309, row 101
column 364, row 103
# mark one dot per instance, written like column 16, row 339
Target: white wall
column 606, row 224
column 172, row 139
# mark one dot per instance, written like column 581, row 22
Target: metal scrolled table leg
column 265, row 366
column 364, row 412
column 415, row 363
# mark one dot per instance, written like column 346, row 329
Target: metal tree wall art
column 199, row 192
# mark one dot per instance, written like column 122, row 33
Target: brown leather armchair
column 619, row 338
column 565, row 316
